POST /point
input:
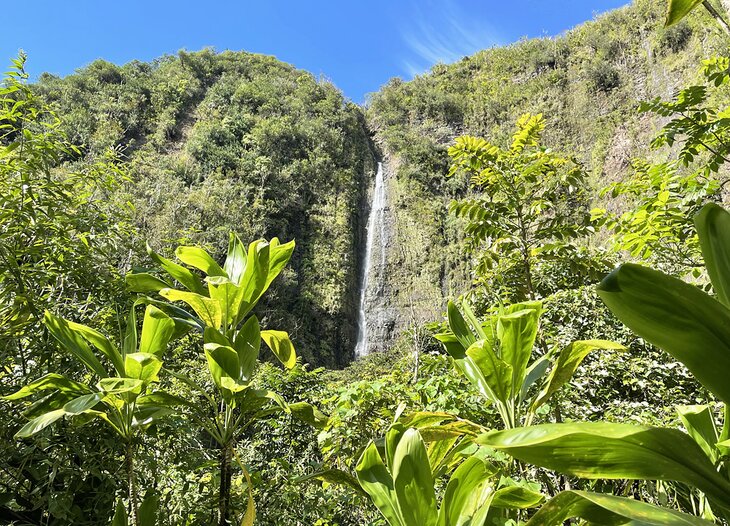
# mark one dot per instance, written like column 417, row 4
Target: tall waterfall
column 376, row 226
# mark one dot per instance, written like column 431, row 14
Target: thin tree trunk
column 131, row 485
column 717, row 16
column 224, row 495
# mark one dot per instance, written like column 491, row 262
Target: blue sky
column 357, row 45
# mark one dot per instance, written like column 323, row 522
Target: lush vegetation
column 525, row 381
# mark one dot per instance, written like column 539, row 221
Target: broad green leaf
column 392, row 438
column 459, row 327
column 40, row 423
column 713, row 228
column 413, row 482
column 207, row 309
column 74, row 407
column 120, row 515
column 222, row 361
column 228, row 297
column 130, row 332
column 473, row 322
column 248, row 344
column 188, row 280
column 309, row 414
column 516, row 498
column 120, row 385
column 148, row 509
column 678, row 9
column 568, row 361
column 468, row 494
column 533, row 374
column 144, row 282
column 198, row 258
column 49, row 381
column 377, row 482
column 72, row 342
column 597, row 508
column 235, row 263
column 100, row 341
column 614, row 451
column 157, row 329
column 279, row 256
column 253, row 280
column 516, row 332
column 676, row 317
column 700, row 424
column 142, row 366
column 281, row 346
column 496, row 372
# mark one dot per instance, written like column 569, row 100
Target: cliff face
column 243, row 142
column 587, row 83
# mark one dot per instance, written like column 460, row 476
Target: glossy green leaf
column 129, row 345
column 222, row 361
column 279, row 256
column 413, row 482
column 235, row 263
column 281, row 346
column 699, row 422
column 459, row 327
column 597, row 508
column 676, row 317
column 50, row 381
column 120, row 385
column 713, row 228
column 516, row 498
column 207, row 309
column 120, row 515
column 248, row 344
column 516, row 332
column 567, row 363
column 468, row 494
column 100, row 341
column 309, row 414
column 144, row 282
column 377, row 482
column 76, row 406
column 496, row 372
column 228, row 297
column 72, row 342
column 678, row 9
column 198, row 258
column 142, row 366
column 614, row 451
column 148, row 509
column 157, row 330
column 186, row 278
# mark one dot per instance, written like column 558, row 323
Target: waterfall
column 376, row 223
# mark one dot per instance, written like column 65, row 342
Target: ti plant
column 678, row 9
column 120, row 397
column 402, row 486
column 694, row 328
column 495, row 356
column 222, row 305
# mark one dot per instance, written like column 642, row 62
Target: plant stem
column 224, row 495
column 131, row 484
column 717, row 16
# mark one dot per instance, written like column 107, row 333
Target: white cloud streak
column 445, row 35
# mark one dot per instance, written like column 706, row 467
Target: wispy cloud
column 440, row 32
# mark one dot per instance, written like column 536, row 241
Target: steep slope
column 244, row 142
column 587, row 83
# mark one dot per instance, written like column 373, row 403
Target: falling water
column 375, row 220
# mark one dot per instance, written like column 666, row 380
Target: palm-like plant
column 694, row 328
column 120, row 395
column 222, row 305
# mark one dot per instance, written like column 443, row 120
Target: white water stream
column 376, row 223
